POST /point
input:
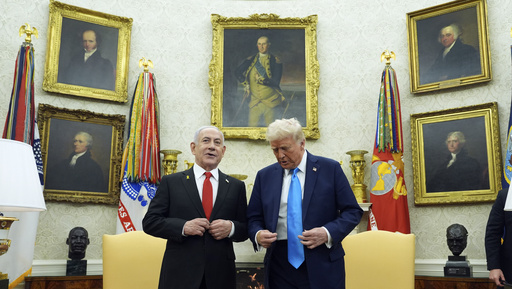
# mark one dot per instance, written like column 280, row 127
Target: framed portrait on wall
column 263, row 68
column 456, row 155
column 448, row 46
column 87, row 53
column 82, row 154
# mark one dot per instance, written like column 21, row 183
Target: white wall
column 177, row 37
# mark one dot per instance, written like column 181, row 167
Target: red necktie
column 207, row 195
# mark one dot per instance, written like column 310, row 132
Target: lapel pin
column 314, row 169
column 227, row 181
column 188, row 177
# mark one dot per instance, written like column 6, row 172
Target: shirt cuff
column 232, row 230
column 329, row 238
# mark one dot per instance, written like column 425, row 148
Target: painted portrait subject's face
column 80, row 143
column 89, row 40
column 447, row 37
column 263, row 45
column 453, row 144
column 209, row 150
column 288, row 152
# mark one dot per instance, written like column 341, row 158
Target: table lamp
column 21, row 189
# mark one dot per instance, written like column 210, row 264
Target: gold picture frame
column 442, row 57
column 94, row 177
column 105, row 73
column 295, row 94
column 472, row 134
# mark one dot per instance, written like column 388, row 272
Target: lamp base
column 4, row 283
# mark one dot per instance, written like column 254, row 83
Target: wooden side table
column 426, row 282
column 64, row 282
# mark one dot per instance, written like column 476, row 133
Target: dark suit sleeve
column 157, row 221
column 240, row 221
column 350, row 212
column 494, row 231
column 255, row 212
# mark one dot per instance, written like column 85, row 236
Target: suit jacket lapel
column 222, row 192
column 312, row 171
column 276, row 178
column 189, row 182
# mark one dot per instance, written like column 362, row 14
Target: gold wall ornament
column 170, row 160
column 357, row 164
column 146, row 63
column 239, row 176
column 387, row 55
column 25, row 29
column 189, row 164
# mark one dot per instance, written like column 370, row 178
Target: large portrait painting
column 87, row 53
column 448, row 46
column 82, row 154
column 456, row 155
column 263, row 68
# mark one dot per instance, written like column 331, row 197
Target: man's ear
column 67, row 241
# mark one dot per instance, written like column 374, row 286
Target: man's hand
column 196, row 227
column 265, row 238
column 220, row 229
column 496, row 275
column 313, row 238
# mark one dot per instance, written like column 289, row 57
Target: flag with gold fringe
column 388, row 196
column 20, row 125
column 507, row 168
column 141, row 157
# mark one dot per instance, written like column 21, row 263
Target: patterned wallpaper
column 177, row 37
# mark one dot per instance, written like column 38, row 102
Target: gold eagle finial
column 145, row 63
column 387, row 55
column 25, row 29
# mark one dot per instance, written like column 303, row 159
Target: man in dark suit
column 499, row 256
column 78, row 172
column 455, row 59
column 329, row 212
column 199, row 252
column 88, row 67
column 459, row 171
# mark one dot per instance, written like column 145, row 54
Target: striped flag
column 20, row 125
column 388, row 196
column 141, row 157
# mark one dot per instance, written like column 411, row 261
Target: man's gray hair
column 459, row 135
column 196, row 135
column 284, row 128
column 88, row 137
column 455, row 28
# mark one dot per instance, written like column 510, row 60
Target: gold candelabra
column 189, row 164
column 170, row 161
column 357, row 164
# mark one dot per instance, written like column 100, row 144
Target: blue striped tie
column 294, row 222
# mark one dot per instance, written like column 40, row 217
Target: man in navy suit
column 329, row 213
column 199, row 252
column 499, row 255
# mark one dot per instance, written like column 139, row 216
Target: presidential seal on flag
column 387, row 176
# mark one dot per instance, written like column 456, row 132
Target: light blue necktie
column 294, row 222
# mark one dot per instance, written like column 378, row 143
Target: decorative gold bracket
column 145, row 63
column 387, row 55
column 25, row 29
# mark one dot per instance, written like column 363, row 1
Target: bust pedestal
column 457, row 266
column 76, row 268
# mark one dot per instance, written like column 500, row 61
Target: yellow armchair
column 379, row 259
column 132, row 260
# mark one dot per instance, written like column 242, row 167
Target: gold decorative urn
column 357, row 164
column 170, row 161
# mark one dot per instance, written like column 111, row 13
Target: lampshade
column 20, row 187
